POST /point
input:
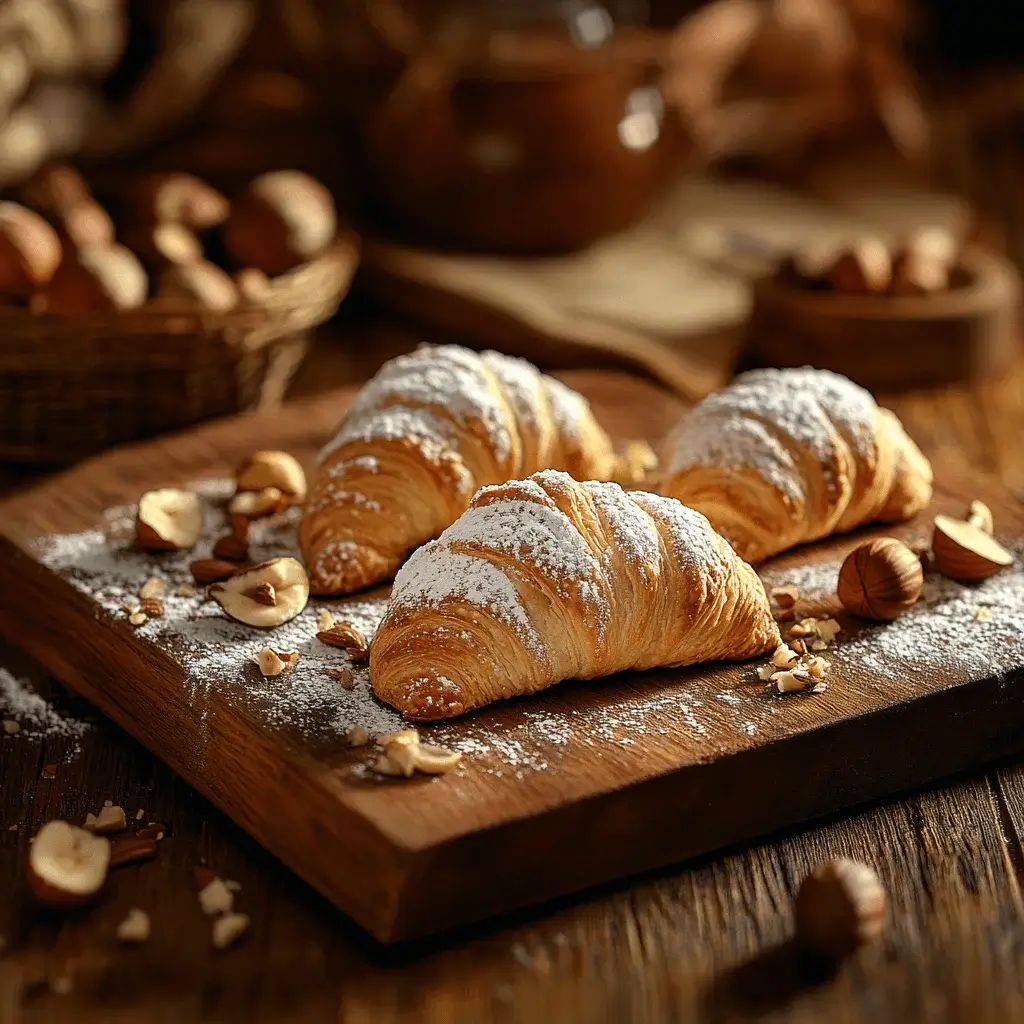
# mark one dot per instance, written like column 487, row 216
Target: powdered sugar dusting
column 36, row 718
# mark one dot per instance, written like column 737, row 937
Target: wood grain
column 405, row 860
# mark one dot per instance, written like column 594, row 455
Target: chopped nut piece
column 11, row 727
column 135, row 927
column 385, row 766
column 110, row 819
column 345, row 676
column 139, row 813
column 348, row 637
column 827, row 629
column 434, row 760
column 186, row 590
column 791, row 682
column 273, row 663
column 232, row 885
column 108, row 803
column 152, row 607
column 90, row 822
column 131, row 850
column 982, row 615
column 818, row 667
column 138, row 618
column 256, row 504
column 324, row 621
column 980, row 515
column 765, row 672
column 153, row 587
column 785, row 597
column 264, row 594
column 216, row 898
column 784, row 657
column 819, row 645
column 799, row 646
column 228, row 929
column 357, row 736
column 805, row 627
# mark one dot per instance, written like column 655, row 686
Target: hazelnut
column 228, row 928
column 173, row 198
column 273, row 469
column 880, row 579
column 168, row 520
column 212, row 570
column 200, row 282
column 243, row 595
column 96, row 279
column 840, row 907
column 135, row 926
column 964, row 551
column 283, row 219
column 160, row 246
column 255, row 504
column 67, row 865
column 110, row 819
column 863, row 267
column 30, row 250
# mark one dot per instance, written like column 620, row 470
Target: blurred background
column 672, row 187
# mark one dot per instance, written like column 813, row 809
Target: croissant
column 420, row 439
column 782, row 457
column 546, row 579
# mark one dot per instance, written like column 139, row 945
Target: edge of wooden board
column 400, row 893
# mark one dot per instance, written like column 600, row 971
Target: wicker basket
column 72, row 386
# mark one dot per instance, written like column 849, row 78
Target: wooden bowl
column 73, row 386
column 889, row 343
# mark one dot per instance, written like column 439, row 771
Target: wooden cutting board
column 582, row 784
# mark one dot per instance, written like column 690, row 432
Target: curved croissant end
column 547, row 579
column 421, row 437
column 782, row 457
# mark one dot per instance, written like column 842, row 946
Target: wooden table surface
column 699, row 942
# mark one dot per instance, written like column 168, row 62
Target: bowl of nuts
column 919, row 313
column 166, row 305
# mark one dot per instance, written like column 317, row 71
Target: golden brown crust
column 547, row 579
column 428, row 431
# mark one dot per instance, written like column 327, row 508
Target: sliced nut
column 966, row 552
column 212, row 570
column 273, row 470
column 228, row 928
column 216, row 898
column 786, row 596
column 434, row 760
column 290, row 585
column 67, row 865
column 980, row 515
column 135, row 927
column 168, row 520
column 110, row 819
column 256, row 504
column 324, row 621
column 153, row 587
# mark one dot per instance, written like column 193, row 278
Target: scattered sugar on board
column 941, row 629
column 36, row 717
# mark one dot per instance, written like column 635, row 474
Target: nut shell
column 840, row 907
column 964, row 551
column 880, row 579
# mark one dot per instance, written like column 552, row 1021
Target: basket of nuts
column 165, row 306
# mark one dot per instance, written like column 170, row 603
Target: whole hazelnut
column 97, row 279
column 283, row 218
column 840, row 907
column 880, row 579
column 30, row 250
